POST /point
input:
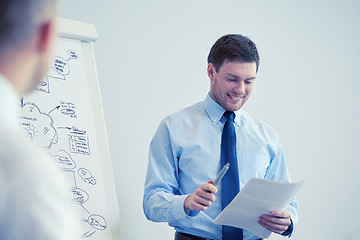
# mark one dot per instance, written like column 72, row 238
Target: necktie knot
column 229, row 115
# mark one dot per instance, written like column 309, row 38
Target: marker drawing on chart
column 72, row 142
column 64, row 161
column 39, row 126
column 68, row 109
column 86, row 176
column 79, row 144
column 59, row 70
column 61, row 66
column 97, row 222
column 78, row 141
column 44, row 85
column 55, row 108
column 72, row 54
column 80, row 196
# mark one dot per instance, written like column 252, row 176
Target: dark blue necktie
column 230, row 182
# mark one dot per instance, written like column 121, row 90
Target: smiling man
column 190, row 148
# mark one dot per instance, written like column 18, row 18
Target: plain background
column 151, row 58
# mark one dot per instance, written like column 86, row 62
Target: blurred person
column 35, row 201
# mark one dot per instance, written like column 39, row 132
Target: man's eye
column 232, row 79
column 248, row 82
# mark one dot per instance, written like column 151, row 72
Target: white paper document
column 258, row 197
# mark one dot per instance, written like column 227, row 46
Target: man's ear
column 45, row 36
column 211, row 71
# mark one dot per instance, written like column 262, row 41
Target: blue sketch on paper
column 73, row 54
column 44, row 85
column 64, row 161
column 74, row 130
column 97, row 222
column 80, row 196
column 78, row 141
column 60, row 68
column 79, row 144
column 86, row 176
column 68, row 109
column 39, row 126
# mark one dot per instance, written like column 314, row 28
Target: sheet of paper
column 258, row 197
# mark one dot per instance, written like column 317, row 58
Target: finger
column 197, row 206
column 281, row 214
column 194, row 202
column 276, row 220
column 273, row 228
column 203, row 201
column 205, row 194
column 209, row 188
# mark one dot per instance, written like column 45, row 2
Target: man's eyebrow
column 236, row 76
column 232, row 75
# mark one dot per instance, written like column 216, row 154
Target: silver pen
column 221, row 174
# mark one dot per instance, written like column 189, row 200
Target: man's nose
column 240, row 88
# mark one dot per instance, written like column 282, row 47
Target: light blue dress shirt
column 185, row 153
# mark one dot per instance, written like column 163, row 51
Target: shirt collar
column 9, row 103
column 215, row 111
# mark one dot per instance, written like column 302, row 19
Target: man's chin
column 234, row 108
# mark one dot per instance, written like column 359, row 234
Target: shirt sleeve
column 278, row 171
column 163, row 202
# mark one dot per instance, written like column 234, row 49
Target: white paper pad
column 258, row 197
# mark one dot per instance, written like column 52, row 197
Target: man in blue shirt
column 185, row 151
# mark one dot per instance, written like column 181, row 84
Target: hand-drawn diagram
column 64, row 161
column 80, row 196
column 59, row 70
column 86, row 176
column 97, row 222
column 78, row 141
column 79, row 144
column 68, row 108
column 38, row 126
column 69, row 146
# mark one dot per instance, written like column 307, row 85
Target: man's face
column 232, row 85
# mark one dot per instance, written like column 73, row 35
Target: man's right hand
column 202, row 198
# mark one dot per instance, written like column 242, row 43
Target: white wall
column 151, row 58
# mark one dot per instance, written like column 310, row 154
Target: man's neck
column 17, row 67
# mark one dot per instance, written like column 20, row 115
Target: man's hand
column 202, row 198
column 277, row 221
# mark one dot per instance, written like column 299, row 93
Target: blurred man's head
column 27, row 30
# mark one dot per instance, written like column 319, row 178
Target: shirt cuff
column 289, row 230
column 178, row 210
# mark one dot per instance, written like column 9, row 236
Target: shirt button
column 164, row 218
column 179, row 214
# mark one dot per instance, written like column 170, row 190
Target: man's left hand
column 277, row 222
